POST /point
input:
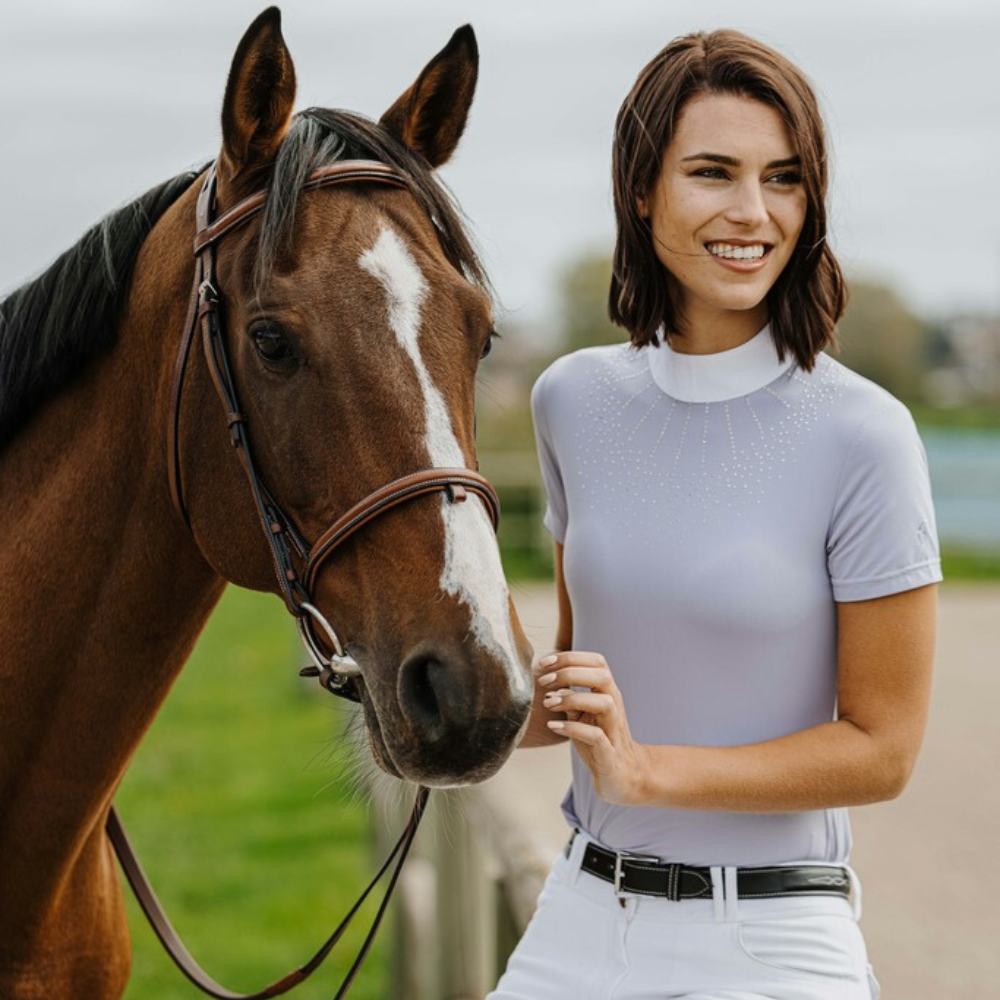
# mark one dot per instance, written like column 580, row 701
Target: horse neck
column 105, row 590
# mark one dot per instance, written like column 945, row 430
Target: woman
column 748, row 596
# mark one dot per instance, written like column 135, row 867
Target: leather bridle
column 333, row 667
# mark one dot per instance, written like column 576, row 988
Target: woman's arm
column 538, row 734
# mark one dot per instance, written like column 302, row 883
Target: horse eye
column 488, row 346
column 271, row 343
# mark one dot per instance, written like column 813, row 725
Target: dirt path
column 927, row 860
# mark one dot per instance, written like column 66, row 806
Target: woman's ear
column 430, row 116
column 642, row 206
column 257, row 108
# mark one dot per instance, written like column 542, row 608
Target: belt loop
column 732, row 893
column 576, row 852
column 674, row 882
column 718, row 894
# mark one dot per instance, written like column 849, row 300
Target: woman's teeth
column 753, row 252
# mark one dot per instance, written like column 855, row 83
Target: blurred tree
column 883, row 339
column 583, row 288
column 940, row 350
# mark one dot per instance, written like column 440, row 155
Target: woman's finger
column 592, row 736
column 571, row 657
column 595, row 704
column 595, row 678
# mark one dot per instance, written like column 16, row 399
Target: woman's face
column 730, row 173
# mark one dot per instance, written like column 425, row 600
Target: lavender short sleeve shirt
column 713, row 508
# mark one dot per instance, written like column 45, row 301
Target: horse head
column 355, row 318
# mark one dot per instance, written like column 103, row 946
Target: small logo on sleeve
column 923, row 534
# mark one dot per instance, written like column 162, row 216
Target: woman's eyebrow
column 731, row 161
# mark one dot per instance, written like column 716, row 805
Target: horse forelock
column 321, row 136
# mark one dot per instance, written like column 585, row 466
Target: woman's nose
column 748, row 205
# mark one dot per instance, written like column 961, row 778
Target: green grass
column 238, row 805
column 983, row 415
column 970, row 564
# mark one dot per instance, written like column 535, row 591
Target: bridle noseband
column 334, row 668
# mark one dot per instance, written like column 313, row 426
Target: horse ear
column 260, row 93
column 430, row 117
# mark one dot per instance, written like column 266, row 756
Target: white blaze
column 472, row 571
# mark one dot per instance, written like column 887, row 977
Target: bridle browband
column 333, row 668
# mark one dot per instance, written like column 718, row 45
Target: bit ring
column 340, row 662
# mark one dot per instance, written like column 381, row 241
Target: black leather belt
column 649, row 876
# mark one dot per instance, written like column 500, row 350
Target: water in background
column 965, row 481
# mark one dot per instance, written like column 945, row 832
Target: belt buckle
column 621, row 856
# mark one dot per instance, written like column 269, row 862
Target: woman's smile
column 748, row 259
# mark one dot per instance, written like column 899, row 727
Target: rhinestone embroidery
column 635, row 459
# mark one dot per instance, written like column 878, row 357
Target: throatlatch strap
column 183, row 959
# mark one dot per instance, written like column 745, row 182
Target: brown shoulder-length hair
column 809, row 296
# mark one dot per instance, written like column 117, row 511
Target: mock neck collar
column 710, row 378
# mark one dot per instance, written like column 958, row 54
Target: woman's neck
column 707, row 330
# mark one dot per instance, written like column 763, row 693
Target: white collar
column 710, row 378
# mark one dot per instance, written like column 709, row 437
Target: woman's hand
column 596, row 723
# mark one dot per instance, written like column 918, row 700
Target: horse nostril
column 427, row 693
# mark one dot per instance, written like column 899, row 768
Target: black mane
column 53, row 326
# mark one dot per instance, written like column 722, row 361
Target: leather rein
column 333, row 667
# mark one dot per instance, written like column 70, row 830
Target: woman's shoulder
column 859, row 401
column 581, row 368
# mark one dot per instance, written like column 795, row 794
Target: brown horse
column 355, row 320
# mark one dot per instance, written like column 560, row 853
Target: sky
column 101, row 100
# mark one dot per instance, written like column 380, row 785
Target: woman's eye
column 788, row 178
column 271, row 343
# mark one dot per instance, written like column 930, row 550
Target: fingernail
column 547, row 679
column 556, row 724
column 553, row 699
column 547, row 661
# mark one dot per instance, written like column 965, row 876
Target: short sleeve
column 555, row 495
column 883, row 534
